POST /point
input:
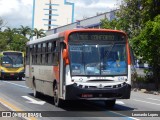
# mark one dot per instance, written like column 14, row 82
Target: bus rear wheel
column 57, row 101
column 36, row 94
column 110, row 103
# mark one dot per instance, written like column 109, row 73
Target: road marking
column 120, row 102
column 125, row 116
column 14, row 108
column 31, row 100
column 15, row 84
column 145, row 102
column 153, row 99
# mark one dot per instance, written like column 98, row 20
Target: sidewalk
column 145, row 91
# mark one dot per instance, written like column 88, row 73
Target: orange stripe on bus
column 128, row 54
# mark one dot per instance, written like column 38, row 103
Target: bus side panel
column 29, row 81
column 43, row 79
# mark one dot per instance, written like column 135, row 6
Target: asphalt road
column 16, row 96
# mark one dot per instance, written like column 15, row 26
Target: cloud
column 8, row 6
column 16, row 12
column 19, row 12
column 89, row 8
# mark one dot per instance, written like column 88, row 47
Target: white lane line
column 153, row 99
column 145, row 102
column 15, row 84
column 120, row 102
column 125, row 116
column 31, row 100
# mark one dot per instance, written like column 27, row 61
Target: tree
column 11, row 40
column 39, row 33
column 147, row 44
column 18, row 43
column 133, row 14
column 24, row 30
column 9, row 32
column 3, row 41
column 137, row 19
column 114, row 24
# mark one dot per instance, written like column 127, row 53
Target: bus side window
column 43, row 58
column 53, row 46
column 39, row 48
column 44, row 47
column 49, row 47
column 55, row 58
column 27, row 55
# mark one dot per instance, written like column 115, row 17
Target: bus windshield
column 96, row 59
column 11, row 59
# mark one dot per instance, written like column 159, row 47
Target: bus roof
column 67, row 32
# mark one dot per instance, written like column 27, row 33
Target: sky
column 19, row 12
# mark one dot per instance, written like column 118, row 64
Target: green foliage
column 15, row 39
column 140, row 19
column 114, row 24
column 147, row 43
column 132, row 16
column 10, row 39
column 3, row 41
column 140, row 79
column 24, row 30
column 38, row 33
column 18, row 43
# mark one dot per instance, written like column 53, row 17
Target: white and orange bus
column 80, row 64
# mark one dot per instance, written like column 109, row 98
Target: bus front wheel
column 110, row 103
column 20, row 78
column 57, row 101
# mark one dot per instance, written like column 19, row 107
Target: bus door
column 62, row 71
column 30, row 65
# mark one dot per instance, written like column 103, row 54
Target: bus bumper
column 12, row 75
column 74, row 92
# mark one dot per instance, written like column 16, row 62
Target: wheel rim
column 56, row 96
column 34, row 92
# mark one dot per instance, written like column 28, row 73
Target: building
column 92, row 22
column 50, row 14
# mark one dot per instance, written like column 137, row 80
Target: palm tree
column 10, row 30
column 24, row 30
column 39, row 33
column 10, row 33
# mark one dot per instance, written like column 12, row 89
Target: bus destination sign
column 97, row 36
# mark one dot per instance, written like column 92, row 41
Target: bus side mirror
column 65, row 54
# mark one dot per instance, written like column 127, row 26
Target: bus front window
column 7, row 61
column 98, row 59
column 12, row 60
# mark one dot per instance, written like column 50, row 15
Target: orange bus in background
column 80, row 64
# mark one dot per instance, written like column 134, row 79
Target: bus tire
column 110, row 103
column 3, row 78
column 57, row 101
column 20, row 78
column 36, row 94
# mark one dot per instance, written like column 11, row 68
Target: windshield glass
column 98, row 59
column 11, row 59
